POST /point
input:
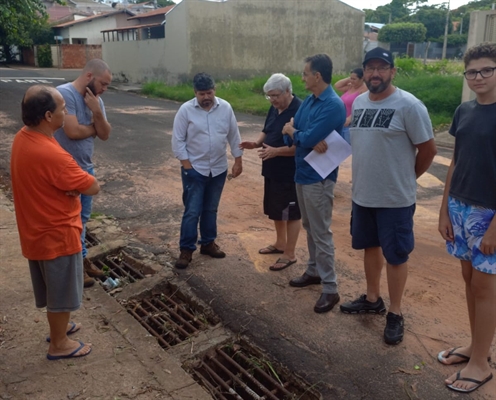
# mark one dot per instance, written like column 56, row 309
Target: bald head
column 96, row 67
column 37, row 101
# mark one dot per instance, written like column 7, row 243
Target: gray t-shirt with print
column 383, row 138
column 81, row 150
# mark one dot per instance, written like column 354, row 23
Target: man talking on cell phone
column 85, row 120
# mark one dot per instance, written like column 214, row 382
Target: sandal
column 285, row 264
column 270, row 250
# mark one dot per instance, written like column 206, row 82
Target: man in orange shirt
column 46, row 182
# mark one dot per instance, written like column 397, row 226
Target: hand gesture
column 248, row 145
column 91, row 100
column 321, row 147
column 267, row 152
column 445, row 227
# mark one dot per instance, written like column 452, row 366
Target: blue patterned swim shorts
column 470, row 223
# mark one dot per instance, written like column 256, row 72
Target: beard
column 206, row 103
column 91, row 85
column 381, row 87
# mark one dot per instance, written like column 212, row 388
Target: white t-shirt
column 383, row 138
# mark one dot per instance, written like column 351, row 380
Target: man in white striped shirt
column 202, row 129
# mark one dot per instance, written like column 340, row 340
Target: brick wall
column 77, row 55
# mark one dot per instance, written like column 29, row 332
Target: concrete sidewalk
column 125, row 361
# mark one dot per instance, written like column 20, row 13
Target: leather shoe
column 326, row 302
column 305, row 280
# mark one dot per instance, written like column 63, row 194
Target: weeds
column 437, row 84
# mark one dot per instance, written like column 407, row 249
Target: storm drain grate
column 169, row 319
column 117, row 267
column 234, row 372
column 90, row 240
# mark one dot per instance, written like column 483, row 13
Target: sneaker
column 184, row 259
column 363, row 306
column 91, row 269
column 212, row 250
column 393, row 333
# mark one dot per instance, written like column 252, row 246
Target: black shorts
column 389, row 228
column 280, row 201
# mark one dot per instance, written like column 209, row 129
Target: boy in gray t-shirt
column 392, row 145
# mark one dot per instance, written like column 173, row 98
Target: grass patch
column 438, row 85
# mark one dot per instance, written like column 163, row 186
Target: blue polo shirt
column 316, row 118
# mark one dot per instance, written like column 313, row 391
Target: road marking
column 442, row 160
column 29, row 80
column 429, row 181
column 29, row 77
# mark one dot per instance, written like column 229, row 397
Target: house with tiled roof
column 150, row 25
column 88, row 30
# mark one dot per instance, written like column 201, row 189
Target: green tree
column 402, row 32
column 392, row 12
column 18, row 20
column 434, row 19
column 165, row 3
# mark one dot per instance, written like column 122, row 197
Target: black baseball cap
column 379, row 54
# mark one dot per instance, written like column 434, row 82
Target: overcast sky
column 373, row 4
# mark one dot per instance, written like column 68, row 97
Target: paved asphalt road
column 132, row 165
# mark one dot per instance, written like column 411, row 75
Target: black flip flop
column 284, row 261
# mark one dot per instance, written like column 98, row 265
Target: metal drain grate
column 116, row 267
column 168, row 318
column 90, row 240
column 233, row 372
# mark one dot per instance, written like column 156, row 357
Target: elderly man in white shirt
column 202, row 128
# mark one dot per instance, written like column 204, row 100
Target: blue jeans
column 86, row 205
column 201, row 197
column 346, row 134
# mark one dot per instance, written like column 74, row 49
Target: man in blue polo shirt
column 320, row 114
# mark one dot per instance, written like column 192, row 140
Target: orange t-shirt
column 48, row 220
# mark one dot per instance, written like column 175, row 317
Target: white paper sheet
column 338, row 150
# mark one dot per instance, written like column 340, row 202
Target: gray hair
column 278, row 82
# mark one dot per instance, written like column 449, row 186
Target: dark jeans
column 201, row 197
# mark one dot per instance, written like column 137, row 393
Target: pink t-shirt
column 348, row 99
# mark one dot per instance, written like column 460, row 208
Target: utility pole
column 445, row 44
column 461, row 26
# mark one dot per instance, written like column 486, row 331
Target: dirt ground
column 146, row 199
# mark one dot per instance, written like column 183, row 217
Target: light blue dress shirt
column 201, row 136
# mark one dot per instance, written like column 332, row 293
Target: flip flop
column 72, row 355
column 72, row 330
column 270, row 250
column 477, row 386
column 463, row 357
column 286, row 263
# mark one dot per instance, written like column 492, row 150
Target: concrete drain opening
column 238, row 371
column 169, row 318
column 120, row 270
column 90, row 240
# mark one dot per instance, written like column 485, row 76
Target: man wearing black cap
column 392, row 144
column 202, row 128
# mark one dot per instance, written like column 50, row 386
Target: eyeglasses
column 272, row 96
column 381, row 70
column 484, row 73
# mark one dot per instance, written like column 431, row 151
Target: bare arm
column 445, row 227
column 425, row 155
column 102, row 127
column 254, row 145
column 75, row 131
column 93, row 189
column 268, row 152
column 343, row 85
